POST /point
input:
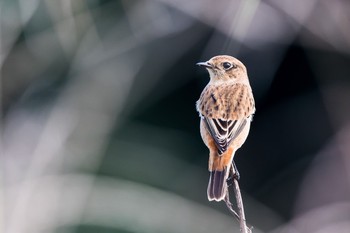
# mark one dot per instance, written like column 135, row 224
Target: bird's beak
column 205, row 64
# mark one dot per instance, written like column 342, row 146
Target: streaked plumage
column 226, row 107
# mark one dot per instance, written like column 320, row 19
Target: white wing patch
column 224, row 131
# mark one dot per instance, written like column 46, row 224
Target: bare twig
column 230, row 206
column 242, row 221
column 240, row 216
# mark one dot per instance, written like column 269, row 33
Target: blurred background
column 99, row 131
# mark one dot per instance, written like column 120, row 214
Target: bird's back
column 226, row 101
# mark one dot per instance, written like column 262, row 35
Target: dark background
column 100, row 131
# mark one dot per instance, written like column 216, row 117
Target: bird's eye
column 226, row 65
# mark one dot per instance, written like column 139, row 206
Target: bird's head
column 225, row 68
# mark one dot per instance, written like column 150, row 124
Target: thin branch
column 242, row 221
column 241, row 215
column 230, row 206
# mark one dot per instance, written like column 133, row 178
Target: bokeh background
column 99, row 131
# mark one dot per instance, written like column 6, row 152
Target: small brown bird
column 226, row 107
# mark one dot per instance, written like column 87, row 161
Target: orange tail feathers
column 219, row 166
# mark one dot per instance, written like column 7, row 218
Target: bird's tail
column 217, row 184
column 219, row 168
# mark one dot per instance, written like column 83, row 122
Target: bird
column 226, row 107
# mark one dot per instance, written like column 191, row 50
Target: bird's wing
column 224, row 131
